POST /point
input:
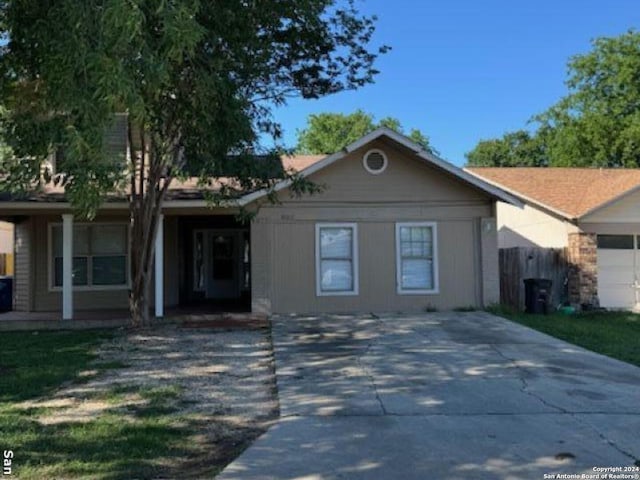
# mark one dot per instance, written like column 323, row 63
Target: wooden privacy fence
column 519, row 263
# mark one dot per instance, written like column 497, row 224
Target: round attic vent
column 375, row 161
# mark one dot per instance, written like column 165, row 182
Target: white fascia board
column 617, row 198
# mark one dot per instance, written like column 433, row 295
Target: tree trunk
column 139, row 305
column 149, row 185
column 144, row 229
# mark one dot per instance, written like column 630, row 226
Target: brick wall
column 583, row 269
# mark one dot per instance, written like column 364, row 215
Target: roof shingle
column 572, row 191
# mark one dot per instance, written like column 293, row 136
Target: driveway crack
column 367, row 372
column 525, row 385
column 611, row 443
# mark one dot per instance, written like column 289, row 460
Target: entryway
column 216, row 269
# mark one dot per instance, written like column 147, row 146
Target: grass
column 33, row 364
column 615, row 334
column 115, row 444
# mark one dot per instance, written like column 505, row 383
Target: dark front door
column 223, row 277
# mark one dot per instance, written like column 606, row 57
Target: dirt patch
column 219, row 383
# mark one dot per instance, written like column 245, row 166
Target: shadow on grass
column 106, row 447
column 35, row 364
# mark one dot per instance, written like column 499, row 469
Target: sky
column 465, row 70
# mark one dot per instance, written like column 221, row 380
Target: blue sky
column 464, row 70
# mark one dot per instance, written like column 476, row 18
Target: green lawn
column 616, row 334
column 32, row 366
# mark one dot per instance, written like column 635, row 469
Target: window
column 615, row 242
column 337, row 259
column 416, row 258
column 99, row 255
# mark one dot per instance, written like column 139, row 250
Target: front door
column 223, row 278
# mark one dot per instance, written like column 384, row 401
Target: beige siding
column 22, row 280
column 531, row 227
column 284, row 271
column 261, row 263
column 406, row 179
column 45, row 299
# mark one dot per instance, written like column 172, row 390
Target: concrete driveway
column 440, row 396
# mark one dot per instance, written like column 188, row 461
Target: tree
column 514, row 149
column 197, row 81
column 597, row 124
column 330, row 132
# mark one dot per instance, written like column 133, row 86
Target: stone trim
column 583, row 269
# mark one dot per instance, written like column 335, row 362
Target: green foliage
column 515, row 149
column 197, row 77
column 330, row 132
column 197, row 80
column 597, row 124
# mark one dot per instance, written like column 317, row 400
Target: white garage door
column 618, row 270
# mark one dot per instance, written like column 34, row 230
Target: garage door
column 618, row 270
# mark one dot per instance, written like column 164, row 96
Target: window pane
column 415, row 249
column 81, row 240
column 109, row 270
column 79, row 271
column 617, row 242
column 336, row 242
column 417, row 274
column 336, row 276
column 416, row 242
column 109, row 239
column 56, row 241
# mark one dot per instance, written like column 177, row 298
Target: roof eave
column 608, row 203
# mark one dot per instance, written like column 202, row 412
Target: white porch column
column 159, row 265
column 67, row 266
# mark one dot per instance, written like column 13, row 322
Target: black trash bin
column 6, row 294
column 537, row 295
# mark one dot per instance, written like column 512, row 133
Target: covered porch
column 74, row 270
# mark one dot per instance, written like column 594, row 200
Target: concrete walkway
column 440, row 396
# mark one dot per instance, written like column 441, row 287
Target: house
column 6, row 248
column 594, row 213
column 395, row 229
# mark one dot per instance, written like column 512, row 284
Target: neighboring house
column 595, row 213
column 6, row 248
column 396, row 229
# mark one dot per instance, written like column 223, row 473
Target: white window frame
column 87, row 288
column 354, row 262
column 434, row 239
